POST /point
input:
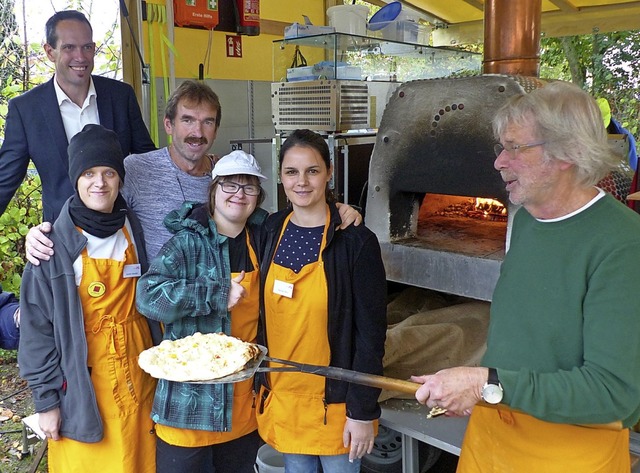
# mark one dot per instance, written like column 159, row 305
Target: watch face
column 492, row 393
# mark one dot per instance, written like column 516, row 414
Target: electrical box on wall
column 196, row 13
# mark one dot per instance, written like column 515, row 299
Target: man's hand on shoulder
column 349, row 215
column 37, row 245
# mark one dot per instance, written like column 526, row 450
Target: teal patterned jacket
column 186, row 288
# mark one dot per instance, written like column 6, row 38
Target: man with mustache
column 41, row 122
column 161, row 180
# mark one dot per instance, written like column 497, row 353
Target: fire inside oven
column 466, row 225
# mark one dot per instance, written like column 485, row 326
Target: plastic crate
column 402, row 30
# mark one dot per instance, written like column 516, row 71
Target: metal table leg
column 410, row 459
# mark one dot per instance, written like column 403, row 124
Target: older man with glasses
column 563, row 347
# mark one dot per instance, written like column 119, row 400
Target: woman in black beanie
column 80, row 331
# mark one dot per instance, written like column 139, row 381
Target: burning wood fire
column 477, row 208
column 491, row 207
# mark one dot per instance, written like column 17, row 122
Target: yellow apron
column 507, row 442
column 116, row 334
column 244, row 325
column 296, row 418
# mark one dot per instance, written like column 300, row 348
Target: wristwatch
column 492, row 390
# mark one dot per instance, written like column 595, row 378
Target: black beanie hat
column 94, row 146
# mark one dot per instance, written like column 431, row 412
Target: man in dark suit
column 41, row 122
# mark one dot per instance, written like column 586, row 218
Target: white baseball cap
column 237, row 162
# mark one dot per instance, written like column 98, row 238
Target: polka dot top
column 298, row 246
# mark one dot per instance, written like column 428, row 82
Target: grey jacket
column 53, row 349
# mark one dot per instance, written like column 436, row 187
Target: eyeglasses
column 229, row 187
column 512, row 149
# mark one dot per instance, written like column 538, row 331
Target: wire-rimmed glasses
column 512, row 149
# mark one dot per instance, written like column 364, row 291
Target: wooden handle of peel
column 409, row 387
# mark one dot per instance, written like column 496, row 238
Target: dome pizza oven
column 432, row 163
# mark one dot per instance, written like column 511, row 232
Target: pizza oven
column 435, row 201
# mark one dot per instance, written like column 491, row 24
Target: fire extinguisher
column 247, row 13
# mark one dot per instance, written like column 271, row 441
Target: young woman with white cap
column 188, row 288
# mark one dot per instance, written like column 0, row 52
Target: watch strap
column 493, row 377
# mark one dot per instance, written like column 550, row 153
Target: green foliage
column 8, row 356
column 393, row 62
column 605, row 65
column 11, row 58
column 24, row 211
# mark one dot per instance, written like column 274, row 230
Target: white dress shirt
column 74, row 118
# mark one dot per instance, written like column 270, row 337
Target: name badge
column 283, row 288
column 131, row 271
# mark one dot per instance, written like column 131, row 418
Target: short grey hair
column 570, row 123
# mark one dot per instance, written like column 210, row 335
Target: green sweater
column 565, row 316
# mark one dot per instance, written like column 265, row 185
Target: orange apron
column 116, row 334
column 296, row 418
column 244, row 325
column 507, row 442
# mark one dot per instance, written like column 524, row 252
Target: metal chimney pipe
column 512, row 37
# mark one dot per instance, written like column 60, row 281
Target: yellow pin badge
column 96, row 289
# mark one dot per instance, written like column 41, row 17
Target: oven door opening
column 465, row 225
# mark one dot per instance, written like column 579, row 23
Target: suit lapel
column 105, row 107
column 53, row 120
